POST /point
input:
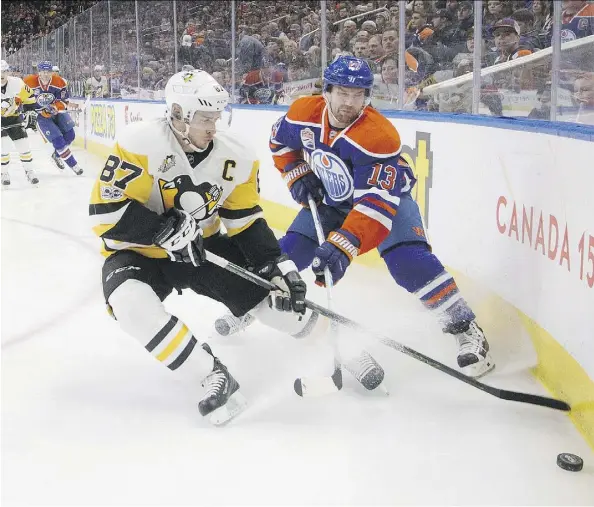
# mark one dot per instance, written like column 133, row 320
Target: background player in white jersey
column 15, row 93
column 96, row 86
column 158, row 203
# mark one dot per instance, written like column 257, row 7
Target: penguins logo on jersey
column 198, row 200
column 334, row 174
column 167, row 164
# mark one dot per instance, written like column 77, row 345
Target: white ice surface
column 89, row 418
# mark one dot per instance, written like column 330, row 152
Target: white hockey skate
column 58, row 161
column 78, row 170
column 222, row 400
column 5, row 178
column 474, row 359
column 366, row 370
column 31, row 176
column 229, row 324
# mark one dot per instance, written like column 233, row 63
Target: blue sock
column 415, row 268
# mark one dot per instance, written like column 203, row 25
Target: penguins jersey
column 54, row 93
column 15, row 92
column 360, row 166
column 97, row 87
column 148, row 173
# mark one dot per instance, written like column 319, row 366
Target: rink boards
column 508, row 207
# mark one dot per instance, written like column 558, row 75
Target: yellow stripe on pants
column 173, row 343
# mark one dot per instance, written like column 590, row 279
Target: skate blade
column 480, row 369
column 234, row 406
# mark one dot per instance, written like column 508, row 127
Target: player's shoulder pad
column 235, row 146
column 306, row 110
column 140, row 137
column 16, row 80
column 374, row 135
column 58, row 81
column 31, row 81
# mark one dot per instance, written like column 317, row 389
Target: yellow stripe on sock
column 167, row 351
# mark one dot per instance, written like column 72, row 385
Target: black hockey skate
column 474, row 359
column 366, row 370
column 222, row 400
column 58, row 161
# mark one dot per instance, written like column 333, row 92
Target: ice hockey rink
column 89, row 418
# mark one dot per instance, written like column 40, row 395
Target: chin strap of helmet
column 184, row 135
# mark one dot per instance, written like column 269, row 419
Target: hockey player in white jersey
column 158, row 204
column 15, row 93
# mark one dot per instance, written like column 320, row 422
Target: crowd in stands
column 279, row 45
column 24, row 21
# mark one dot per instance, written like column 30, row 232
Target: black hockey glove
column 290, row 295
column 181, row 237
column 31, row 120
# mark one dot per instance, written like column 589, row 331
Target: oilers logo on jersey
column 333, row 172
column 198, row 200
column 45, row 99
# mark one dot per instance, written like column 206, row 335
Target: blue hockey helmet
column 348, row 71
column 45, row 65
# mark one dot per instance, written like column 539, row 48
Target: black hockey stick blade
column 533, row 399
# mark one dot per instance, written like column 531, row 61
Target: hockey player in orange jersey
column 53, row 121
column 346, row 155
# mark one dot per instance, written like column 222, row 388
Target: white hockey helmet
column 195, row 90
column 4, row 67
column 55, row 68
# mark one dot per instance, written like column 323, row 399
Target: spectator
column 442, row 27
column 465, row 22
column 543, row 12
column 495, row 12
column 528, row 34
column 250, row 54
column 577, row 20
column 507, row 41
column 360, row 49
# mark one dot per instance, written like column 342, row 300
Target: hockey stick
column 503, row 394
column 13, row 126
column 320, row 386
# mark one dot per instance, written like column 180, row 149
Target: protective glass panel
column 82, row 52
column 273, row 64
column 575, row 94
column 98, row 80
column 204, row 38
column 157, row 51
column 124, row 70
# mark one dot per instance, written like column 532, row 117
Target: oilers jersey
column 55, row 93
column 148, row 173
column 360, row 166
column 579, row 25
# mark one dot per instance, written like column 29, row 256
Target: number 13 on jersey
column 386, row 177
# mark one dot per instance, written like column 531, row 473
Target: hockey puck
column 570, row 462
